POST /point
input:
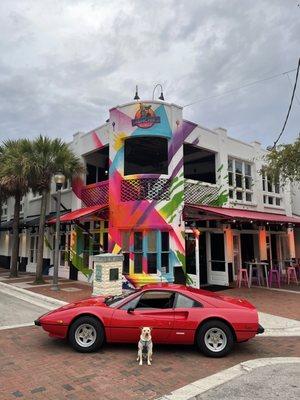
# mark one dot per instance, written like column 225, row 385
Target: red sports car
column 177, row 315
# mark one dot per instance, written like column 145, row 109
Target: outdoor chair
column 242, row 276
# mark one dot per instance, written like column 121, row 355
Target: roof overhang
column 201, row 212
column 80, row 214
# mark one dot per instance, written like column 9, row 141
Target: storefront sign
column 145, row 117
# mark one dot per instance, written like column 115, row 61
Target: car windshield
column 114, row 301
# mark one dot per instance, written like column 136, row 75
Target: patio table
column 262, row 265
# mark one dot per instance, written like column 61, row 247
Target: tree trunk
column 0, row 212
column 41, row 239
column 15, row 238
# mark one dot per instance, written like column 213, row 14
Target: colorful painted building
column 180, row 201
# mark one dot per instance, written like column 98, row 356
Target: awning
column 80, row 213
column 237, row 213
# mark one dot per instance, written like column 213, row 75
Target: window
column 149, row 252
column 33, row 248
column 125, row 250
column 199, row 164
column 114, row 274
column 271, row 189
column 4, row 210
column 240, row 180
column 152, row 252
column 97, row 165
column 146, row 155
column 138, row 252
column 186, row 302
column 156, row 299
column 165, row 251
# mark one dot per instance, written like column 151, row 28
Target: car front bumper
column 37, row 322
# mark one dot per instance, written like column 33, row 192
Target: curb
column 31, row 297
column 194, row 389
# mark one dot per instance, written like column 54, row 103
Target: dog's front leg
column 140, row 356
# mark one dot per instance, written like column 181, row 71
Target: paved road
column 14, row 311
column 272, row 382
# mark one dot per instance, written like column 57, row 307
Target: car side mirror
column 130, row 310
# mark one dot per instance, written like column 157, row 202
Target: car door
column 153, row 308
column 188, row 313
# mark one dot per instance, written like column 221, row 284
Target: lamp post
column 59, row 180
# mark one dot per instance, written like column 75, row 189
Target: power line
column 239, row 87
column 290, row 106
column 296, row 97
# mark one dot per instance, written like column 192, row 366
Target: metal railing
column 95, row 194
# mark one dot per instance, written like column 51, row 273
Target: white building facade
column 177, row 199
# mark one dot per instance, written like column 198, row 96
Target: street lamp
column 161, row 97
column 59, row 180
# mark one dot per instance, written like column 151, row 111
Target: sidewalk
column 69, row 290
column 262, row 378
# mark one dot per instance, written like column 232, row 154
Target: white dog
column 145, row 346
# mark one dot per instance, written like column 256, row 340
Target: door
column 151, row 308
column 237, row 261
column 203, row 258
column 192, row 260
column 218, row 274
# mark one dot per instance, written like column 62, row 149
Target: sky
column 64, row 63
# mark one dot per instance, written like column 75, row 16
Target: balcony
column 145, row 189
column 95, row 194
column 200, row 193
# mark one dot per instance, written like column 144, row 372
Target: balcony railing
column 145, row 189
column 94, row 194
column 200, row 193
column 150, row 189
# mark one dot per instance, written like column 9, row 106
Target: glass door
column 218, row 271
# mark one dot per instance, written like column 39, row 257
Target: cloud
column 65, row 63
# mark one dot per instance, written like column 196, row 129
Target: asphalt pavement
column 14, row 311
column 281, row 381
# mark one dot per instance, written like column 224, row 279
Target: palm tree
column 14, row 172
column 48, row 157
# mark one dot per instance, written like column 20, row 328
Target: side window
column 186, row 302
column 156, row 300
column 131, row 303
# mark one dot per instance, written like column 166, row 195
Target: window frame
column 164, row 146
column 200, row 305
column 145, row 251
column 244, row 174
column 272, row 193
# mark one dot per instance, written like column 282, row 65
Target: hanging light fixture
column 136, row 97
column 161, row 97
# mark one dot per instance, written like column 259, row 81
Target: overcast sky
column 64, row 63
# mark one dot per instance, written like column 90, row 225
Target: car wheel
column 86, row 334
column 215, row 339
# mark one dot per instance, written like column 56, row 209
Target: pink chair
column 274, row 275
column 242, row 276
column 291, row 275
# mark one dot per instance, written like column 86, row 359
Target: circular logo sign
column 145, row 117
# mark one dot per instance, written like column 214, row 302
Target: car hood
column 92, row 301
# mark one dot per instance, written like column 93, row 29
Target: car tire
column 86, row 334
column 215, row 339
